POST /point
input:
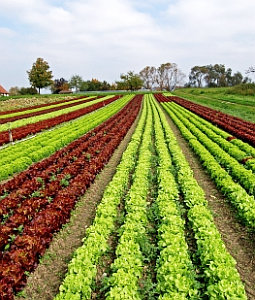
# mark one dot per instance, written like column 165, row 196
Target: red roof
column 2, row 90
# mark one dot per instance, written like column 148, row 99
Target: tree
column 237, row 78
column 149, row 76
column 39, row 75
column 76, row 82
column 169, row 76
column 214, row 76
column 210, row 76
column 14, row 91
column 28, row 91
column 105, row 86
column 229, row 77
column 130, row 81
column 95, row 85
column 59, row 85
column 196, row 76
column 220, row 75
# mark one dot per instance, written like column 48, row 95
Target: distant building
column 3, row 92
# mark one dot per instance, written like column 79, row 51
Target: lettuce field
column 147, row 196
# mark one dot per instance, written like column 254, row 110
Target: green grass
column 221, row 99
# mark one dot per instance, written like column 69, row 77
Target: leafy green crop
column 175, row 272
column 29, row 110
column 215, row 134
column 222, row 280
column 31, row 120
column 128, row 265
column 245, row 177
column 17, row 157
column 83, row 267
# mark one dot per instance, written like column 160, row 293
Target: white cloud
column 214, row 31
column 6, row 33
column 105, row 38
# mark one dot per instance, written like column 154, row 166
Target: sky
column 102, row 39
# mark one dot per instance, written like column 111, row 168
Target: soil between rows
column 239, row 242
column 43, row 284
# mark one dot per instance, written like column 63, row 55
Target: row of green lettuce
column 82, row 269
column 127, row 268
column 16, row 158
column 241, row 106
column 31, row 120
column 221, row 279
column 175, row 273
column 234, row 192
column 245, row 147
column 241, row 151
column 176, row 276
column 245, row 177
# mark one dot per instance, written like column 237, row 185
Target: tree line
column 215, row 76
column 167, row 77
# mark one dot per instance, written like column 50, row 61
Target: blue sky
column 102, row 39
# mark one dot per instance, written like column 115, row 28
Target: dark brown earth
column 43, row 284
column 239, row 242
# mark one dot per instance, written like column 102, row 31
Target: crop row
column 41, row 111
column 175, row 273
column 161, row 98
column 240, row 150
column 16, row 158
column 176, row 277
column 28, row 178
column 216, row 147
column 83, row 267
column 221, row 278
column 238, row 127
column 237, row 195
column 34, row 125
column 41, row 117
column 39, row 106
column 127, row 267
column 34, row 218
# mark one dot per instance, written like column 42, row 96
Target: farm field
column 141, row 197
column 220, row 99
column 33, row 124
column 11, row 103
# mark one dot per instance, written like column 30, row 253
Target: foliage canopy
column 40, row 76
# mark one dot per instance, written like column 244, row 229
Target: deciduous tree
column 40, row 76
column 196, row 76
column 149, row 77
column 59, row 85
column 169, row 76
column 214, row 76
column 130, row 81
column 76, row 82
